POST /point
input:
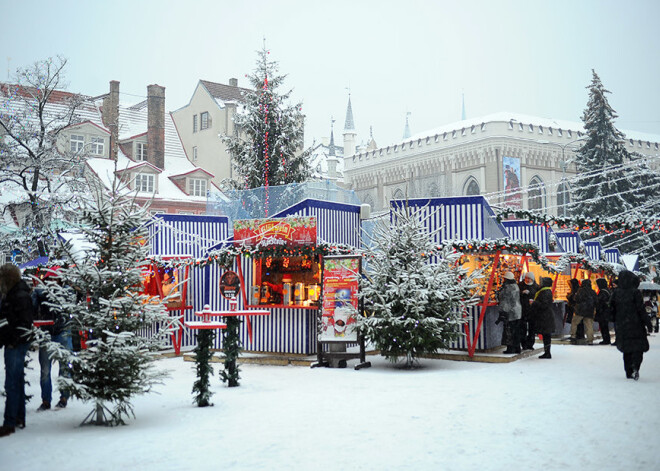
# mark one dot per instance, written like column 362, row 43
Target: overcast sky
column 528, row 57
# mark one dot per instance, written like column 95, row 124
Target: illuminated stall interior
column 287, row 281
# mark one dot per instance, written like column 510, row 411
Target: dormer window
column 145, row 182
column 98, row 145
column 140, row 151
column 196, row 187
column 77, row 142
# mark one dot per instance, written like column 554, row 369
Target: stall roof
column 458, row 218
column 594, row 249
column 539, row 234
column 570, row 241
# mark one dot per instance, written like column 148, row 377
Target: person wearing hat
column 508, row 299
column 528, row 289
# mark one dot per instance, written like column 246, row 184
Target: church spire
column 349, row 125
column 406, row 130
column 332, row 138
column 463, row 108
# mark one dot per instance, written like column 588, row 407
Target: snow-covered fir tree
column 611, row 183
column 414, row 294
column 36, row 176
column 601, row 187
column 268, row 147
column 123, row 326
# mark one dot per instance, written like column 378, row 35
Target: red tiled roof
column 225, row 92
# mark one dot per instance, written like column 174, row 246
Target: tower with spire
column 349, row 130
column 332, row 160
column 406, row 130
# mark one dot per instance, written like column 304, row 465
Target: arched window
column 563, row 199
column 536, row 194
column 471, row 187
column 398, row 194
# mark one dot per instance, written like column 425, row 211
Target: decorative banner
column 229, row 285
column 511, row 173
column 289, row 232
column 341, row 277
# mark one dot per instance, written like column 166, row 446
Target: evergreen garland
column 231, row 345
column 204, row 369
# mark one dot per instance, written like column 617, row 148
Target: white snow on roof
column 526, row 120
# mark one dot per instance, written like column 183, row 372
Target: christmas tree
column 611, row 182
column 413, row 293
column 123, row 326
column 267, row 149
column 603, row 149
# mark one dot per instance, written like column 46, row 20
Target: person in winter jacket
column 59, row 333
column 632, row 323
column 509, row 304
column 15, row 336
column 542, row 315
column 528, row 289
column 585, row 308
column 603, row 310
column 573, row 286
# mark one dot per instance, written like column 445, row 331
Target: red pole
column 472, row 346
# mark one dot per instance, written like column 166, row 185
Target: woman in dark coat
column 585, row 309
column 603, row 310
column 631, row 323
column 542, row 314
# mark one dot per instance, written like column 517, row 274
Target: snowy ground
column 576, row 411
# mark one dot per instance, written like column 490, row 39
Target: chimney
column 233, row 82
column 110, row 116
column 156, row 125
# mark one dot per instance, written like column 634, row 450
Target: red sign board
column 291, row 232
column 341, row 277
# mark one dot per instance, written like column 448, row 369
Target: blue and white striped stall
column 459, row 218
column 294, row 329
column 531, row 233
column 613, row 256
column 594, row 250
column 189, row 236
column 463, row 218
column 570, row 241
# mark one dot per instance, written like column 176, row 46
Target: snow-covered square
column 576, row 411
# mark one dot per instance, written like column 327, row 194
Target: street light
column 564, row 165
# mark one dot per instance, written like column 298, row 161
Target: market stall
column 469, row 224
column 278, row 264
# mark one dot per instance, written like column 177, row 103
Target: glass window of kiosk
column 286, row 281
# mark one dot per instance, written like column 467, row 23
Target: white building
column 478, row 156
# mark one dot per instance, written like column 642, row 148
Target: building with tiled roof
column 201, row 124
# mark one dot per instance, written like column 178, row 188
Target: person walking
column 542, row 315
column 59, row 333
column 603, row 310
column 528, row 288
column 17, row 315
column 631, row 322
column 508, row 299
column 585, row 308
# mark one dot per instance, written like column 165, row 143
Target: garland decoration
column 581, row 223
column 225, row 256
column 534, row 251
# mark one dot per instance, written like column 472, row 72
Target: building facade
column 517, row 160
column 203, row 122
